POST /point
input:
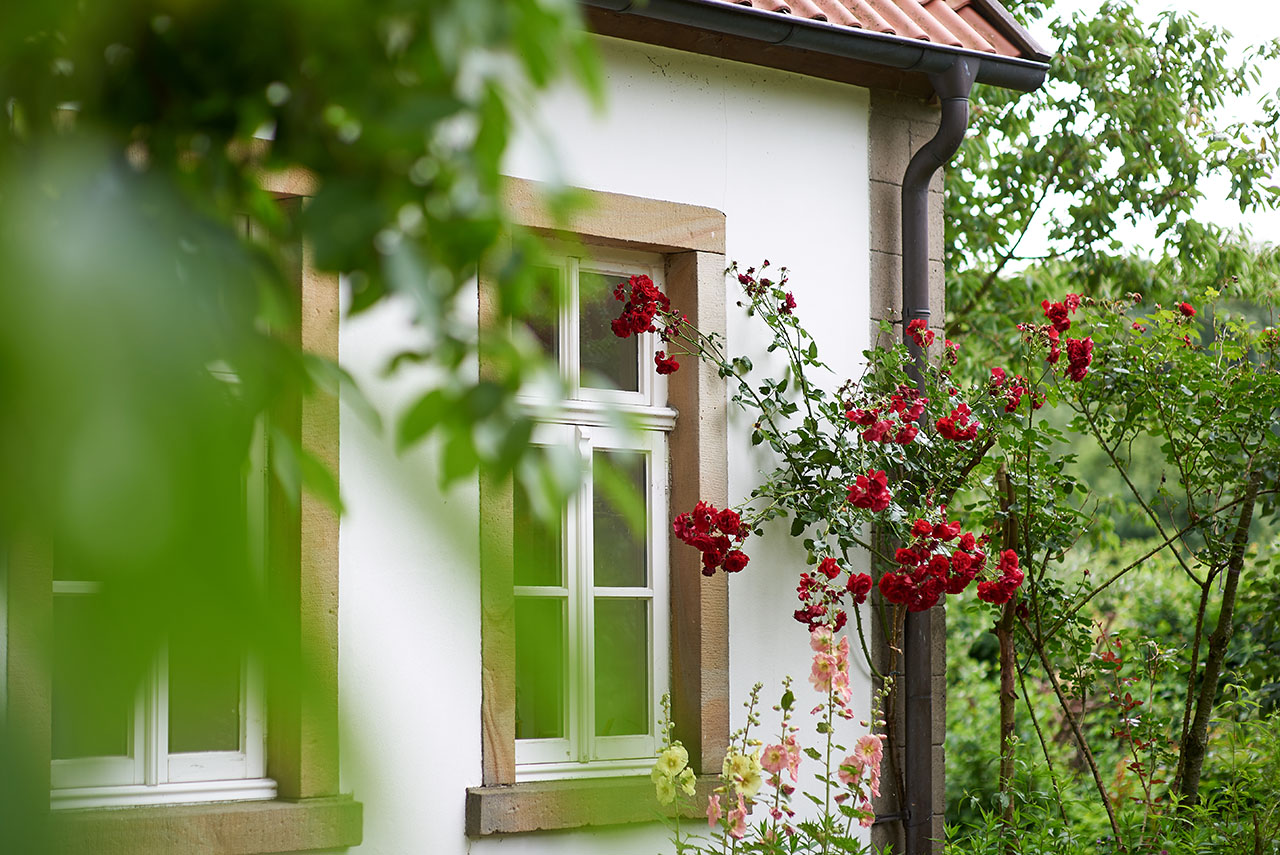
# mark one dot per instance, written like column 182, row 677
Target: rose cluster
column 644, row 303
column 1079, row 351
column 1000, row 591
column 871, row 491
column 919, row 332
column 822, row 594
column 899, row 416
column 1079, row 355
column 959, row 426
column 1012, row 389
column 717, row 534
column 929, row 565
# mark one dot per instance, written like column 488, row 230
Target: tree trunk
column 1195, row 740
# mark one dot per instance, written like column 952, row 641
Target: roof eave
column 911, row 56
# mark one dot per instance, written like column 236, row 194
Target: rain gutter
column 891, row 51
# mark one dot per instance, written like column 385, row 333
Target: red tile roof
column 978, row 25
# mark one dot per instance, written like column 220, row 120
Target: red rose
column 703, row 515
column 922, row 528
column 711, row 559
column 859, row 585
column 1057, row 315
column 665, row 364
column 947, row 531
column 729, row 522
column 877, row 431
column 1079, row 355
column 829, row 568
column 940, row 566
column 906, row 434
column 735, row 561
column 1187, row 310
column 788, row 304
column 906, row 556
column 994, row 593
column 871, row 491
column 865, row 418
column 919, row 332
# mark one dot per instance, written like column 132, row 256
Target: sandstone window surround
column 689, row 245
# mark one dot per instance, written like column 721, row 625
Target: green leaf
column 423, row 417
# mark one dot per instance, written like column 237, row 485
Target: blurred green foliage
column 150, row 286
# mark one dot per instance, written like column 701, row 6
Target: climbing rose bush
column 887, row 448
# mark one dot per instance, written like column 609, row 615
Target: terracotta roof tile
column 977, row 25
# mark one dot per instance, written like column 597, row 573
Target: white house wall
column 785, row 158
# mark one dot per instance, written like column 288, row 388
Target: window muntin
column 591, row 590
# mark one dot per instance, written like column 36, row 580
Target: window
column 192, row 730
column 591, row 588
column 300, row 725
column 681, row 246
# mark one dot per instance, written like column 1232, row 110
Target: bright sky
column 1250, row 22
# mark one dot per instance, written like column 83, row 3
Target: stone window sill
column 229, row 828
column 549, row 805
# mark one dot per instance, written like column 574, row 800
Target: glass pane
column 542, row 321
column 622, row 666
column 618, row 518
column 204, row 695
column 93, row 698
column 606, row 360
column 535, row 548
column 541, row 665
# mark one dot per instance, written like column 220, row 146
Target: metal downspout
column 952, row 86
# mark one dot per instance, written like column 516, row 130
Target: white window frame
column 586, row 421
column 149, row 774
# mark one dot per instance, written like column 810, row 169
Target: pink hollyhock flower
column 820, row 640
column 713, row 811
column 868, row 813
column 738, row 819
column 773, row 759
column 850, row 770
column 870, row 749
column 823, row 672
column 793, row 761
